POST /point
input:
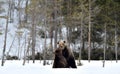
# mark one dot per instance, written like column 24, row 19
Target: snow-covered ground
column 94, row 67
column 16, row 67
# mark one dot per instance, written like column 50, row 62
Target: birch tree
column 26, row 51
column 5, row 38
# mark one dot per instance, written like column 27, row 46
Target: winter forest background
column 30, row 29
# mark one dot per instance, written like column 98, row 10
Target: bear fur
column 67, row 53
column 59, row 61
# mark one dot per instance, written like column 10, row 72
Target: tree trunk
column 26, row 52
column 55, row 37
column 89, row 33
column 44, row 51
column 81, row 34
column 33, row 38
column 60, row 32
column 51, row 37
column 68, row 36
column 4, row 47
column 33, row 44
column 116, row 35
column 55, row 23
column 6, row 30
column 11, row 11
column 60, row 22
column 26, row 12
column 19, row 46
column 104, row 46
column 11, row 45
column 45, row 24
column 116, row 43
column 19, row 13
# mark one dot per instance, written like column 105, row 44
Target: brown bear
column 67, row 53
column 59, row 61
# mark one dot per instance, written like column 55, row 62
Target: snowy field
column 94, row 67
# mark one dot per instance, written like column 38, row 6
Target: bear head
column 61, row 44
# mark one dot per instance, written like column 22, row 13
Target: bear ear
column 58, row 42
column 64, row 41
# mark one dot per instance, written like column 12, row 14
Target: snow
column 16, row 67
column 94, row 67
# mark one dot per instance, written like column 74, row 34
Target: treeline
column 93, row 25
column 97, row 54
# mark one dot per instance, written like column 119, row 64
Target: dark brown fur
column 64, row 57
column 59, row 61
column 69, row 56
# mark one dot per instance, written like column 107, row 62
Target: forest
column 90, row 27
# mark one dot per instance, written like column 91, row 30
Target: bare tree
column 33, row 26
column 19, row 35
column 19, row 12
column 44, row 52
column 89, row 33
column 4, row 47
column 6, row 30
column 26, row 51
column 11, row 4
column 104, row 45
column 26, row 12
column 116, row 42
column 11, row 45
column 51, row 37
column 81, row 34
column 55, row 23
column 116, row 36
column 45, row 24
column 33, row 38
